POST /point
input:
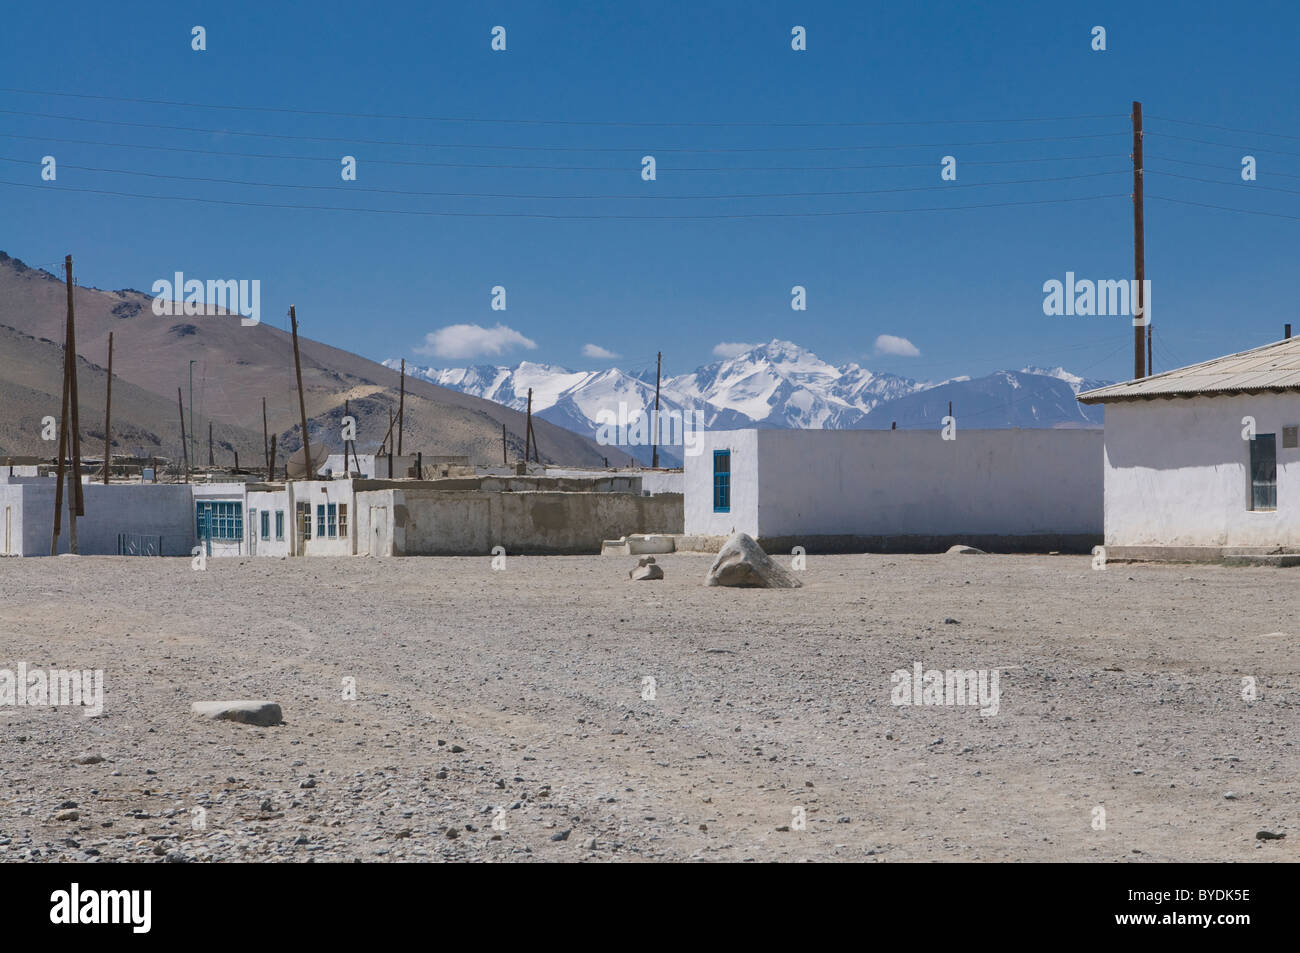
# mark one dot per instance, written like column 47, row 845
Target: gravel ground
column 514, row 698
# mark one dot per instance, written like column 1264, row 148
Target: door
column 379, row 531
column 252, row 532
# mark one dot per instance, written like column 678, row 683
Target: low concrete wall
column 423, row 521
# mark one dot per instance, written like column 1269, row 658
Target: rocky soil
column 499, row 715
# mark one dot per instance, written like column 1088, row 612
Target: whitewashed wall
column 699, row 516
column 164, row 510
column 902, row 483
column 1177, row 473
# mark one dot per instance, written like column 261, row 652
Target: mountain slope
column 236, row 366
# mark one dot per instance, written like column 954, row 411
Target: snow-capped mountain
column 777, row 384
column 999, row 400
column 1077, row 384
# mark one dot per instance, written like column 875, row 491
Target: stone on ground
column 244, row 711
column 646, row 569
column 742, row 562
column 965, row 550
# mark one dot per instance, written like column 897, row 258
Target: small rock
column 245, row 712
column 1268, row 835
column 561, row 835
column 456, row 749
column 963, row 550
column 68, row 816
column 88, row 759
column 646, row 569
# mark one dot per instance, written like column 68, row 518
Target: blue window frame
column 1263, row 472
column 266, row 524
column 332, row 512
column 722, row 481
column 320, row 520
column 279, row 524
column 219, row 519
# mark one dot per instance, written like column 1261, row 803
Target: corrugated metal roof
column 1271, row 367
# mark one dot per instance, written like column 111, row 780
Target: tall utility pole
column 1139, row 245
column 192, row 454
column 185, row 453
column 266, row 446
column 654, row 424
column 528, row 427
column 211, row 460
column 74, row 408
column 302, row 401
column 504, row 462
column 68, row 422
column 401, row 408
column 108, row 406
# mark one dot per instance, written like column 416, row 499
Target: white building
column 1202, row 462
column 877, row 490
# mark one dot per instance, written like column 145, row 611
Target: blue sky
column 617, row 81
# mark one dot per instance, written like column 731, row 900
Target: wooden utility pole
column 505, row 462
column 68, row 419
column 271, row 467
column 347, row 412
column 63, row 441
column 1139, row 244
column 528, row 429
column 74, row 408
column 302, row 401
column 654, row 424
column 211, row 460
column 266, row 447
column 185, row 453
column 108, row 407
column 401, row 408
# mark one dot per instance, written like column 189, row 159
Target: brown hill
column 234, row 368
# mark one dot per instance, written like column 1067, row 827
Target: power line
column 621, row 170
column 1250, row 185
column 352, row 140
column 437, row 214
column 1215, row 165
column 554, row 122
column 1221, row 208
column 519, row 195
column 1210, row 125
column 1229, row 145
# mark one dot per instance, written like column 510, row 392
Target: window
column 722, row 481
column 332, row 514
column 219, row 519
column 304, row 519
column 266, row 524
column 279, row 524
column 343, row 519
column 1263, row 472
column 320, row 520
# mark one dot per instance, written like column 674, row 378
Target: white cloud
column 732, row 348
column 472, row 340
column 597, row 352
column 899, row 347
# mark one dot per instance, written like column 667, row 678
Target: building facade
column 1203, row 462
column 899, row 490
